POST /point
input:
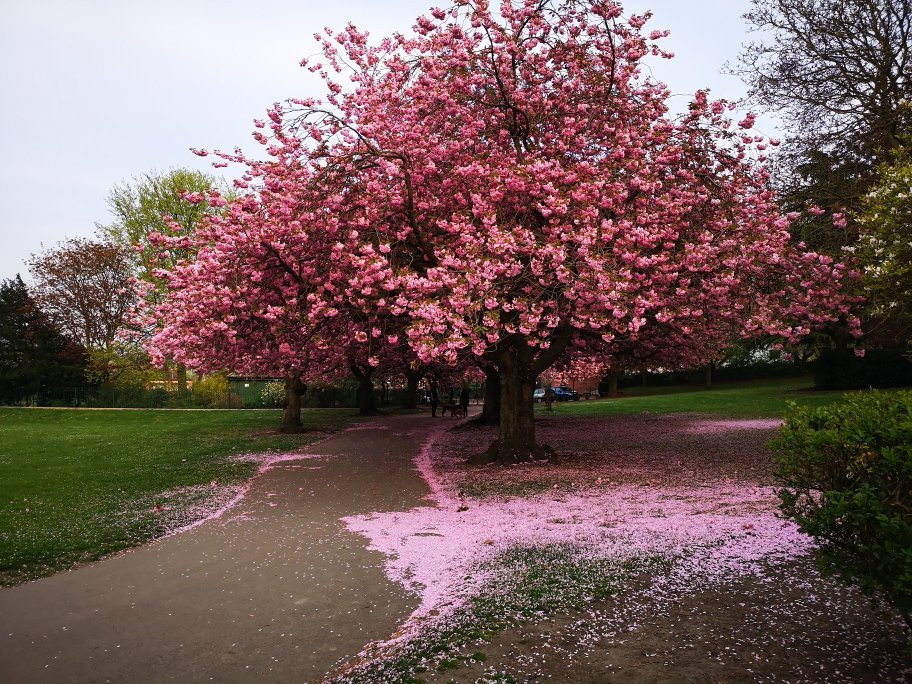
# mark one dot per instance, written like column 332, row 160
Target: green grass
column 78, row 484
column 756, row 399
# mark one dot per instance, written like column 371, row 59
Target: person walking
column 464, row 400
column 435, row 398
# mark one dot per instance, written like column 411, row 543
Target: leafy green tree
column 124, row 364
column 885, row 250
column 155, row 203
column 33, row 352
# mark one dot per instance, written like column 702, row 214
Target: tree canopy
column 885, row 249
column 497, row 185
column 84, row 286
column 151, row 204
column 33, row 352
column 838, row 73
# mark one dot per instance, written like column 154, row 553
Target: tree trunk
column 490, row 410
column 291, row 416
column 644, row 376
column 709, row 376
column 516, row 442
column 181, row 379
column 613, row 384
column 519, row 365
column 365, row 396
column 412, row 378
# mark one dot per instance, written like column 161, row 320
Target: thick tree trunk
column 644, row 376
column 365, row 396
column 490, row 410
column 516, row 440
column 708, row 382
column 291, row 416
column 519, row 365
column 517, row 418
column 412, row 378
column 613, row 384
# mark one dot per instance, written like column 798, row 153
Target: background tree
column 124, row 365
column 413, row 373
column 155, row 204
column 33, row 352
column 252, row 291
column 84, row 287
column 885, row 250
column 837, row 72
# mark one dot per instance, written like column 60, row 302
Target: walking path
column 276, row 590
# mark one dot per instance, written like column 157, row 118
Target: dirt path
column 276, row 590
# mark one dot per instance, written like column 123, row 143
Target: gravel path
column 275, row 590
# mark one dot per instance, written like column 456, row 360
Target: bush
column 213, row 392
column 839, row 369
column 273, row 394
column 846, row 472
column 322, row 395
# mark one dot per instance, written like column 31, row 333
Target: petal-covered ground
column 686, row 502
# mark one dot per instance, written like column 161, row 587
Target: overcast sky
column 95, row 92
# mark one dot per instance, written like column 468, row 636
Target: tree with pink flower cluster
column 507, row 182
column 256, row 296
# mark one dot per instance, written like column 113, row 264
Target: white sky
column 95, row 92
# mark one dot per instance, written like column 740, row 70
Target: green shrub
column 846, row 472
column 213, row 392
column 323, row 395
column 273, row 394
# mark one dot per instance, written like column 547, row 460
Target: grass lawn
column 755, row 399
column 78, row 484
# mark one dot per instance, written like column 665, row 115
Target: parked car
column 565, row 394
column 538, row 396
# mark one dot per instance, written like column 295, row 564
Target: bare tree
column 839, row 73
column 837, row 70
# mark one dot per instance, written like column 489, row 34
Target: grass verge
column 76, row 485
column 758, row 399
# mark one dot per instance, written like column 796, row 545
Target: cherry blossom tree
column 509, row 182
column 251, row 290
column 240, row 295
